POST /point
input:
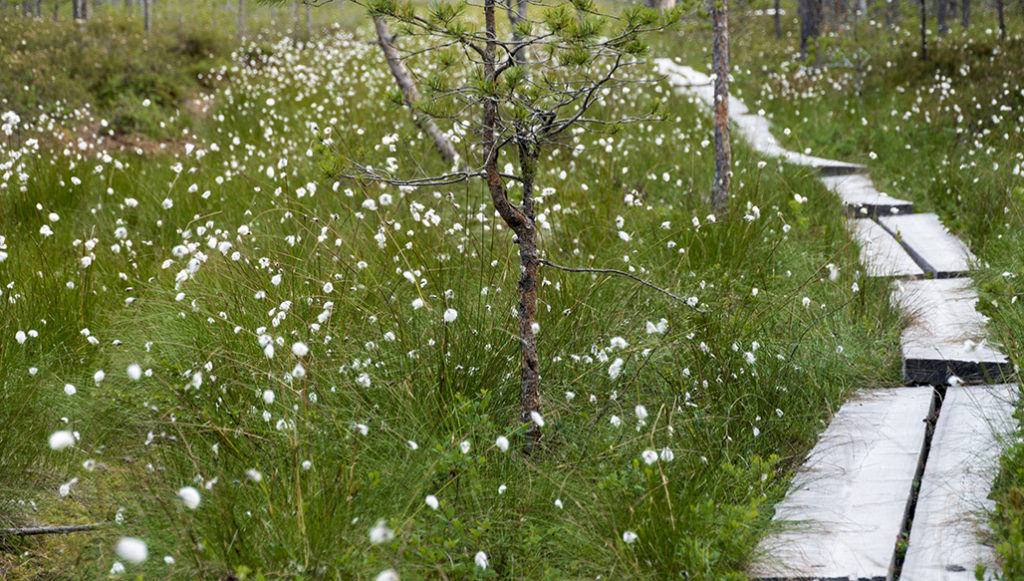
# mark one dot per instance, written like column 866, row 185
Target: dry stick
column 410, row 93
column 621, row 273
column 47, row 530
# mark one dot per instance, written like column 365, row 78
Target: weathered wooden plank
column 930, row 243
column 880, row 253
column 848, row 502
column 946, row 536
column 862, row 200
column 946, row 335
column 826, row 167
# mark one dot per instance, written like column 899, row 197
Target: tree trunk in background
column 293, row 15
column 720, row 67
column 810, row 24
column 940, row 16
column 56, row 10
column 516, row 14
column 924, row 30
column 240, row 26
column 892, row 12
column 778, row 21
column 309, row 20
column 1002, row 20
column 146, row 16
column 965, row 14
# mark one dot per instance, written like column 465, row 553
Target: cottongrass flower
column 70, row 389
column 299, row 349
column 629, row 537
column 417, row 304
column 413, row 445
column 132, row 550
column 558, row 503
column 432, row 501
column 380, row 533
column 117, row 568
column 615, row 368
column 464, row 446
column 481, row 559
column 268, row 396
column 650, row 456
column 254, row 475
column 307, row 464
column 189, row 497
column 537, row 419
column 450, row 315
column 641, row 412
column 667, row 455
column 502, row 489
column 386, row 575
column 134, row 372
column 99, row 376
column 62, row 439
column 502, row 443
column 615, row 420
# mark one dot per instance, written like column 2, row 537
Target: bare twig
column 625, row 274
column 47, row 530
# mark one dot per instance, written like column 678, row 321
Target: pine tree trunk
column 720, row 67
column 240, row 25
column 1002, row 19
column 940, row 16
column 517, row 14
column 146, row 16
column 520, row 220
column 777, row 18
column 924, row 30
column 309, row 20
column 810, row 24
column 965, row 14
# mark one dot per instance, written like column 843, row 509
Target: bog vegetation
column 245, row 364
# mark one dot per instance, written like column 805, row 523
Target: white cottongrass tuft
column 299, row 349
column 450, row 315
column 134, row 371
column 132, row 550
column 70, row 389
column 641, row 413
column 62, row 439
column 386, row 575
column 537, row 419
column 268, row 396
column 629, row 537
column 615, row 368
column 667, row 455
column 413, row 445
column 417, row 304
column 189, row 497
column 432, row 501
column 502, row 443
column 650, row 456
column 380, row 533
column 117, row 568
column 464, row 446
column 481, row 559
column 254, row 475
column 99, row 376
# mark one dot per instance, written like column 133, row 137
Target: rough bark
column 410, row 93
column 777, row 18
column 810, row 23
column 720, row 67
column 521, row 223
column 940, row 16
